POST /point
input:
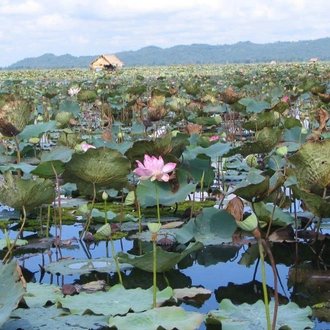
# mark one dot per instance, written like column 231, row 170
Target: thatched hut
column 314, row 60
column 106, row 62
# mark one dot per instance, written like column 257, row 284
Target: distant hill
column 241, row 52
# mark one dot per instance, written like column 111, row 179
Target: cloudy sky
column 30, row 28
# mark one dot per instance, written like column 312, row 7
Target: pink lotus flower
column 86, row 146
column 154, row 168
column 214, row 138
column 285, row 98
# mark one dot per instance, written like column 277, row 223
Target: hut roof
column 111, row 59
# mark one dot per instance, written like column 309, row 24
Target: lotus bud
column 40, row 119
column 34, row 140
column 282, row 151
column 249, row 224
column 105, row 195
column 154, row 227
column 105, row 230
column 251, row 160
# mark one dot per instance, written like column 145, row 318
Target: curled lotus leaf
column 30, row 193
column 103, row 165
column 14, row 116
column 316, row 204
column 312, row 166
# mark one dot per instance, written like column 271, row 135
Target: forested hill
column 241, row 52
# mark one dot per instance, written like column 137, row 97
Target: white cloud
column 34, row 27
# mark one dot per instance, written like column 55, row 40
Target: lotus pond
column 184, row 197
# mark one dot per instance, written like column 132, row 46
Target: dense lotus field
column 124, row 193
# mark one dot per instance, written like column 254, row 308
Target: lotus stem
column 157, row 201
column 105, row 212
column 48, row 220
column 116, row 261
column 41, row 229
column 264, row 286
column 154, row 272
column 273, row 264
column 89, row 217
column 8, row 254
column 58, row 198
column 18, row 150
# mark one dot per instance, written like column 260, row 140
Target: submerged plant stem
column 9, row 252
column 116, row 261
column 264, row 286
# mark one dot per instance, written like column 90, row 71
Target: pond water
column 216, row 268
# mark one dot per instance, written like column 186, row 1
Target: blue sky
column 30, row 28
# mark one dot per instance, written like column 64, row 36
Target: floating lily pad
column 11, row 290
column 245, row 316
column 84, row 266
column 159, row 317
column 117, row 300
column 19, row 242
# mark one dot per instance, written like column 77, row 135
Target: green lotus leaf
column 19, row 242
column 37, row 130
column 312, row 166
column 165, row 260
column 17, row 192
column 117, row 300
column 159, row 147
column 266, row 212
column 54, row 318
column 11, row 290
column 99, row 166
column 86, row 95
column 254, row 106
column 159, row 318
column 84, row 266
column 245, row 316
column 211, row 227
column 70, row 106
column 256, row 187
column 265, row 141
column 261, row 120
column 14, row 116
column 316, row 204
column 215, row 150
column 169, row 193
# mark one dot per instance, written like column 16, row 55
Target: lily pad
column 11, row 290
column 84, row 266
column 117, row 300
column 52, row 318
column 165, row 260
column 245, row 316
column 159, row 317
column 19, row 242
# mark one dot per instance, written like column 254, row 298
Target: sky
column 31, row 28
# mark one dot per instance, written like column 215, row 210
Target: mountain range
column 241, row 52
